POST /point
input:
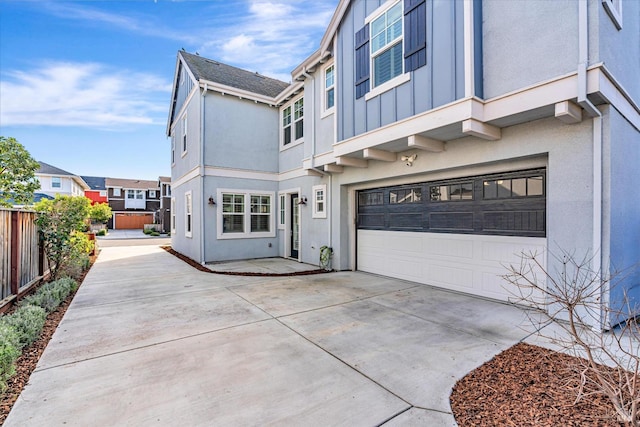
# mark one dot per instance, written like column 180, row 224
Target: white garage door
column 466, row 263
column 458, row 234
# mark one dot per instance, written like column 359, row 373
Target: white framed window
column 184, row 134
column 286, row 125
column 56, row 182
column 116, row 192
column 152, row 194
column 173, row 149
column 282, row 210
column 329, row 88
column 319, row 194
column 386, row 45
column 135, row 194
column 246, row 214
column 103, row 193
column 188, row 214
column 173, row 215
column 614, row 10
column 298, row 118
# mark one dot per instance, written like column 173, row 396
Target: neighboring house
column 55, row 181
column 134, row 202
column 426, row 140
column 98, row 191
column 164, row 213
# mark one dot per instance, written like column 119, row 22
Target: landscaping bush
column 147, row 231
column 154, row 234
column 102, row 232
column 52, row 294
column 9, row 352
column 27, row 322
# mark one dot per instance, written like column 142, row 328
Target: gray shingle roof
column 217, row 72
column 46, row 168
column 95, row 182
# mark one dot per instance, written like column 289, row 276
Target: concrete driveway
column 148, row 340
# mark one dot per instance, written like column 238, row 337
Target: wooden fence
column 22, row 263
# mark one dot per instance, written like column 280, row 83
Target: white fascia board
column 332, row 28
column 242, row 94
column 240, row 174
column 81, row 182
column 601, row 81
column 289, row 93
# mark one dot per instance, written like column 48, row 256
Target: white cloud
column 270, row 37
column 82, row 94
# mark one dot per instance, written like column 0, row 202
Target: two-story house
column 428, row 140
column 97, row 192
column 134, row 202
column 54, row 180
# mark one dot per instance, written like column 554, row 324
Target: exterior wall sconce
column 211, row 201
column 302, row 201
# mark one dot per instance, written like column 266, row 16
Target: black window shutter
column 415, row 34
column 362, row 61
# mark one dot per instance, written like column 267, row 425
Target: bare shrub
column 574, row 298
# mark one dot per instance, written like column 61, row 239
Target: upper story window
column 135, row 194
column 614, row 10
column 386, row 45
column 392, row 43
column 116, row 192
column 152, row 194
column 173, row 149
column 293, row 122
column 56, row 182
column 184, row 134
column 286, row 125
column 298, row 117
column 329, row 87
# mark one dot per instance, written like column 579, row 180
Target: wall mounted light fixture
column 211, row 201
column 302, row 200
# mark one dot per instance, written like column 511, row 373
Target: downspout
column 592, row 111
column 201, row 171
column 313, row 117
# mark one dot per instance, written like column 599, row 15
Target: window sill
column 327, row 113
column 387, row 86
column 292, row 144
column 319, row 215
column 227, row 236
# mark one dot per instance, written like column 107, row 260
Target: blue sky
column 85, row 85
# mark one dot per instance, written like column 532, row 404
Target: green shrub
column 9, row 352
column 27, row 321
column 52, row 294
column 154, row 234
column 102, row 232
column 147, row 231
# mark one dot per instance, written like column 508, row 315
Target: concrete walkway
column 148, row 340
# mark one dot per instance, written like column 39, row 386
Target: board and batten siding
column 185, row 86
column 439, row 81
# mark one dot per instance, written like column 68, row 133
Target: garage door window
column 511, row 204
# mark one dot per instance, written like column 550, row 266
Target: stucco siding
column 189, row 246
column 291, row 157
column 240, row 134
column 564, row 149
column 526, row 42
column 622, row 154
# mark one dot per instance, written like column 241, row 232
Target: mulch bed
column 525, row 386
column 28, row 361
column 201, row 267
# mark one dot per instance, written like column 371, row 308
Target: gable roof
column 132, row 183
column 217, row 72
column 95, row 182
column 46, row 168
column 164, row 179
